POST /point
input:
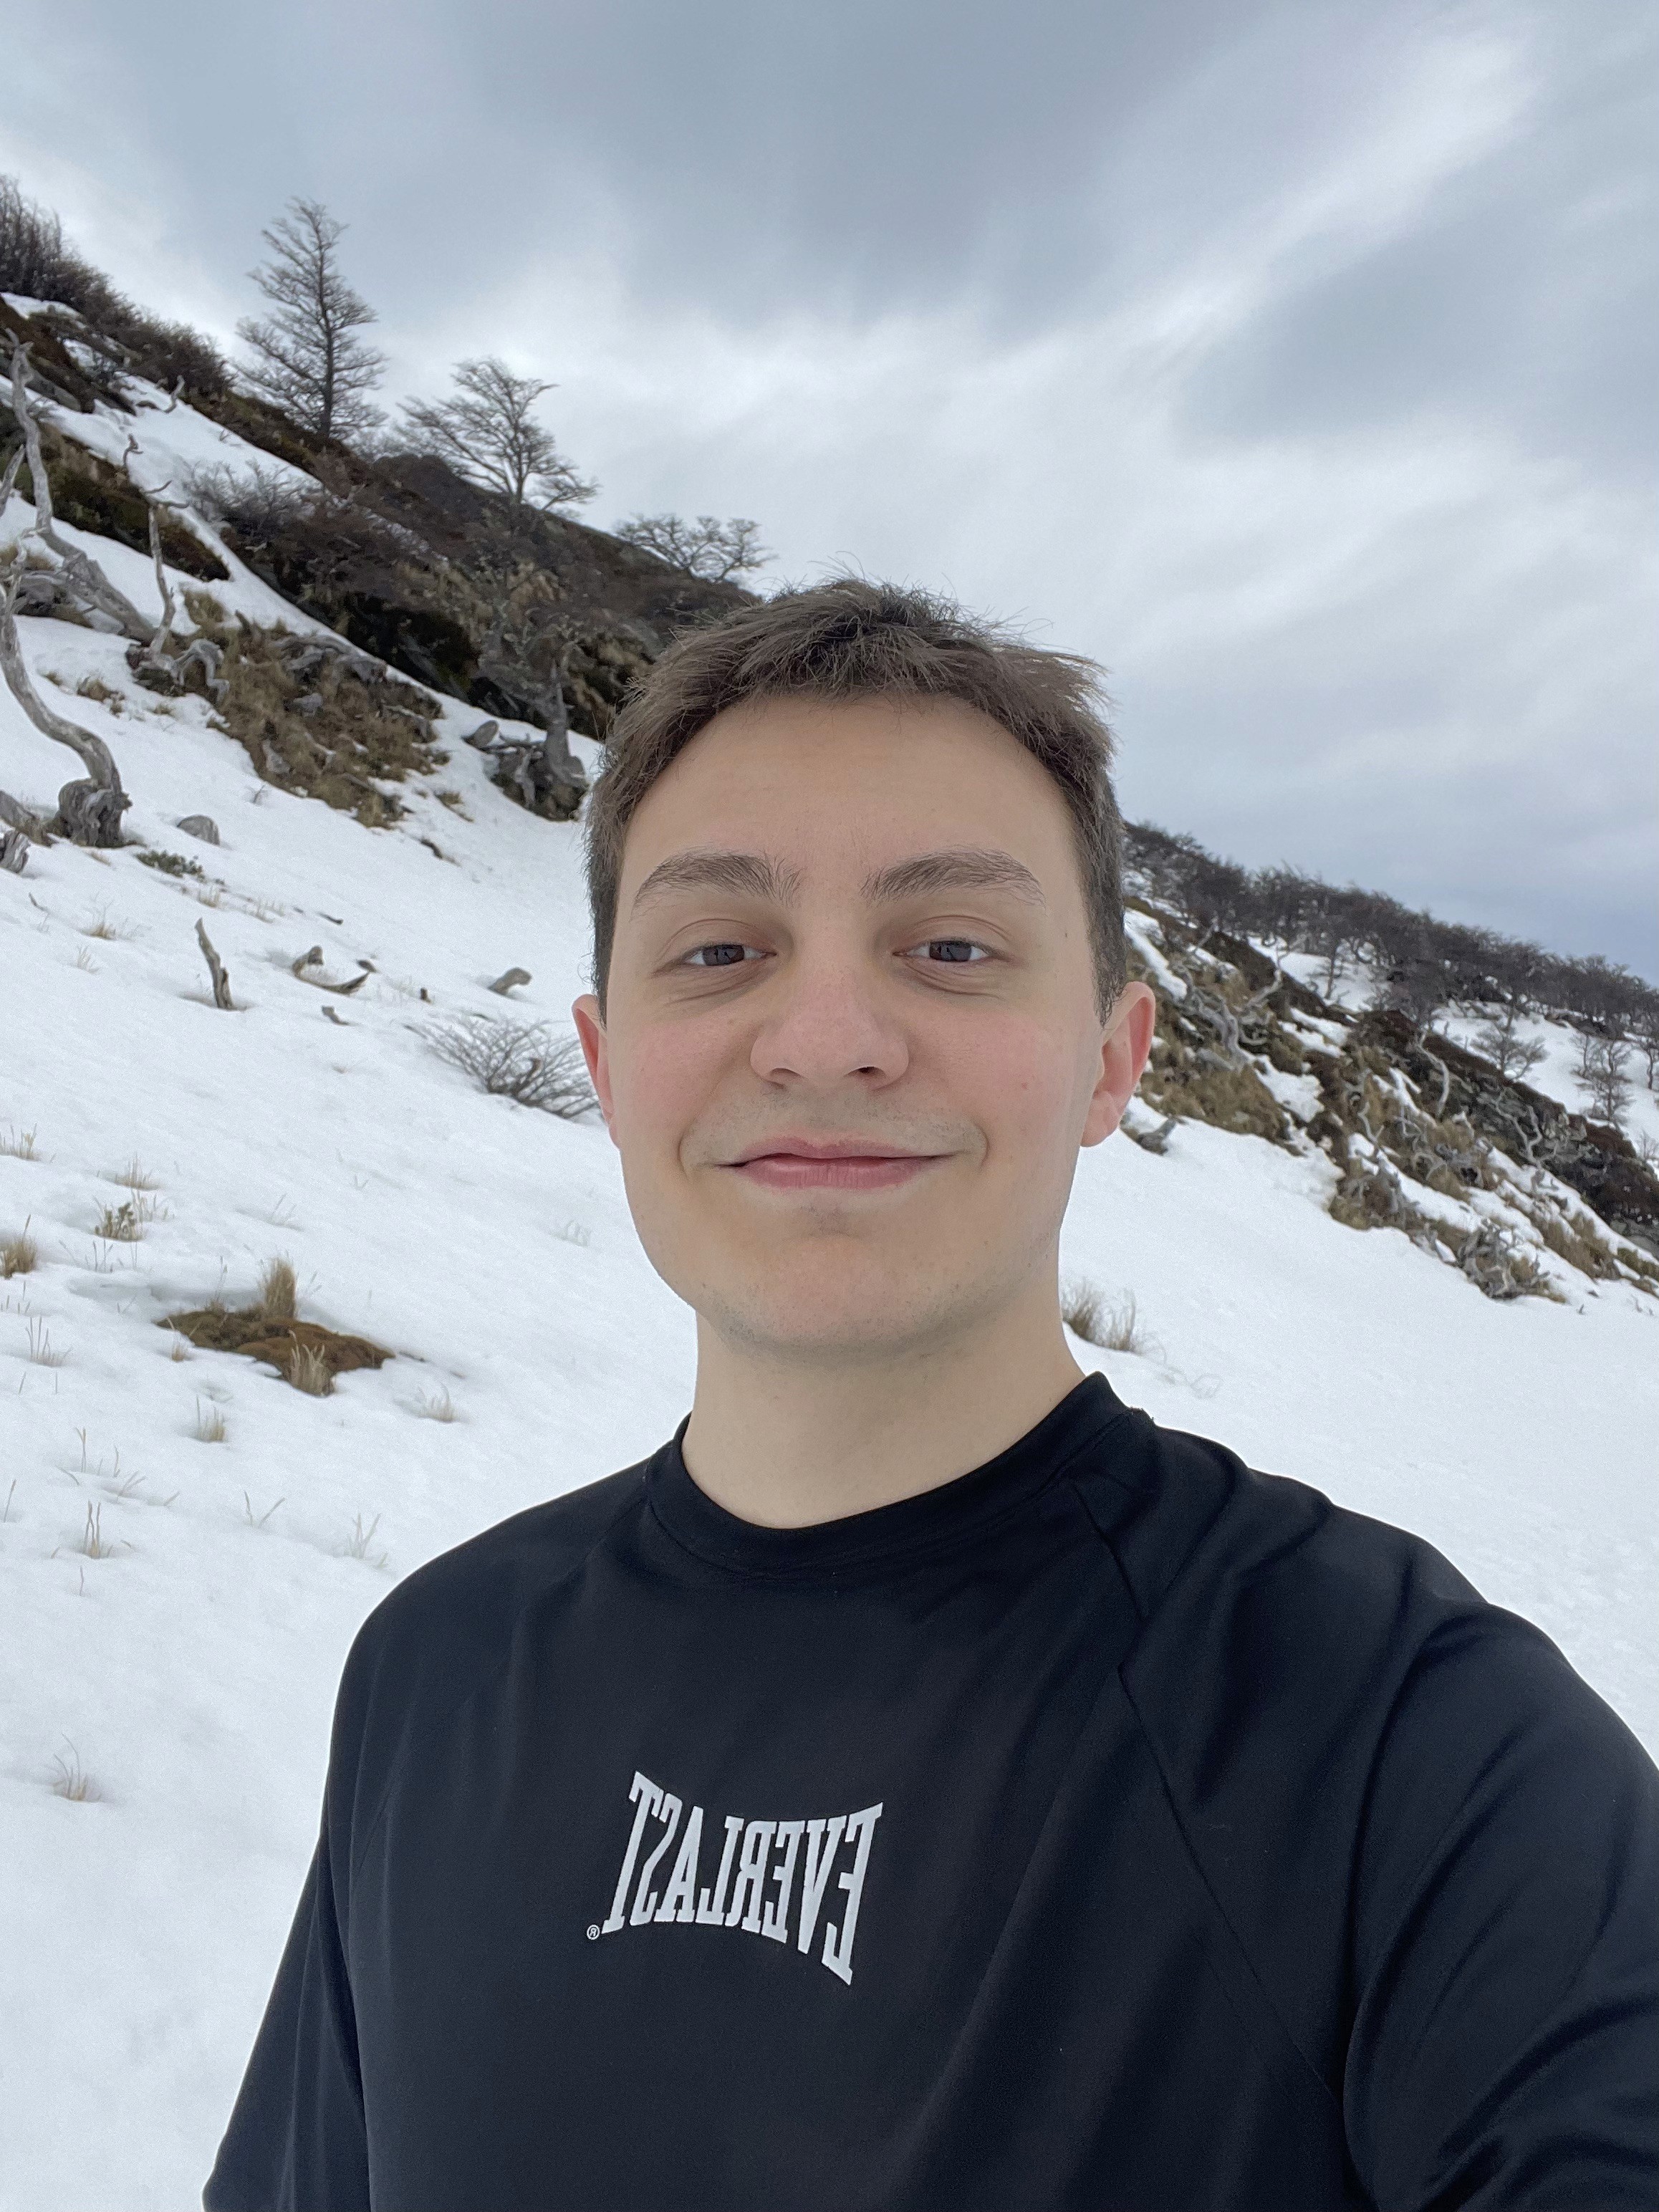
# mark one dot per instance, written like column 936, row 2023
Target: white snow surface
column 189, row 1672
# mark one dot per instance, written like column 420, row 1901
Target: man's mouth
column 808, row 1164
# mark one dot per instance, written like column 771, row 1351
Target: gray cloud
column 1296, row 361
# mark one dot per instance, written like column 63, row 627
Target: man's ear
column 1123, row 1051
column 596, row 1051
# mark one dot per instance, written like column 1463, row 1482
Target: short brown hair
column 848, row 639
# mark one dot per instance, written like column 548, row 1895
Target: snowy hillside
column 188, row 1544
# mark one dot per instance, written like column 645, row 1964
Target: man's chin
column 813, row 1328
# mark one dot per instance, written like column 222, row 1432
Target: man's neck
column 786, row 1443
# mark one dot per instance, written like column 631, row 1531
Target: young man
column 924, row 1782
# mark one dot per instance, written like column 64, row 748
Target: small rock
column 200, row 825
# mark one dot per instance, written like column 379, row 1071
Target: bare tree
column 708, row 548
column 1499, row 1039
column 1602, row 1077
column 486, row 431
column 308, row 355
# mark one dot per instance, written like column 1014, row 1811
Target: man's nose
column 825, row 1019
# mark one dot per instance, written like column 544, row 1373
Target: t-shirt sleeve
column 296, row 2141
column 1505, row 2048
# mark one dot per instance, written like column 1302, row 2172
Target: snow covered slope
column 174, row 1610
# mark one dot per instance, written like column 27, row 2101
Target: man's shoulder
column 1297, row 1657
column 449, row 1625
column 1198, row 1533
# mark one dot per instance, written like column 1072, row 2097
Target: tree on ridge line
column 486, row 432
column 309, row 357
column 708, row 548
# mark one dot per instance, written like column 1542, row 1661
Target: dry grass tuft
column 209, row 1427
column 133, row 1178
column 453, row 800
column 72, row 1781
column 309, row 1369
column 94, row 1542
column 110, row 931
column 42, row 1352
column 279, row 1292
column 19, row 1144
column 19, row 1254
column 435, row 1405
column 120, row 1224
column 357, row 1543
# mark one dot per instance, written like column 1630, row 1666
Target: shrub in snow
column 521, row 1061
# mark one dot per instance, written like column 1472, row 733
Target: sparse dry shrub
column 1113, row 1326
column 520, row 1061
column 120, row 1224
column 1496, row 1263
column 172, row 864
column 19, row 1144
column 19, row 1254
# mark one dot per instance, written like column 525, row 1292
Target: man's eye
column 953, row 950
column 717, row 956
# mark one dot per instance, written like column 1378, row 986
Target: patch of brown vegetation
column 333, row 728
column 303, row 1352
column 1199, row 1072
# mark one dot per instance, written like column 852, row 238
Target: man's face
column 854, row 928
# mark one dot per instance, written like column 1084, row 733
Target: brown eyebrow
column 755, row 873
column 759, row 876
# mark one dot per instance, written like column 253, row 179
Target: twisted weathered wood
column 82, row 572
column 89, row 811
column 222, row 997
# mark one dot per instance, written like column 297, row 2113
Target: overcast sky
column 1296, row 361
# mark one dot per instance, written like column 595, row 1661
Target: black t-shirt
column 1111, row 1827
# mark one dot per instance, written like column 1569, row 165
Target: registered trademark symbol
column 593, row 1931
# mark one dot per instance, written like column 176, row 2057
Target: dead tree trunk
column 222, row 997
column 20, row 820
column 85, row 577
column 89, row 810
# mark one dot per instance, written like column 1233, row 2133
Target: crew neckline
column 946, row 1515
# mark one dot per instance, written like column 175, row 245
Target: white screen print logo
column 768, row 1869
